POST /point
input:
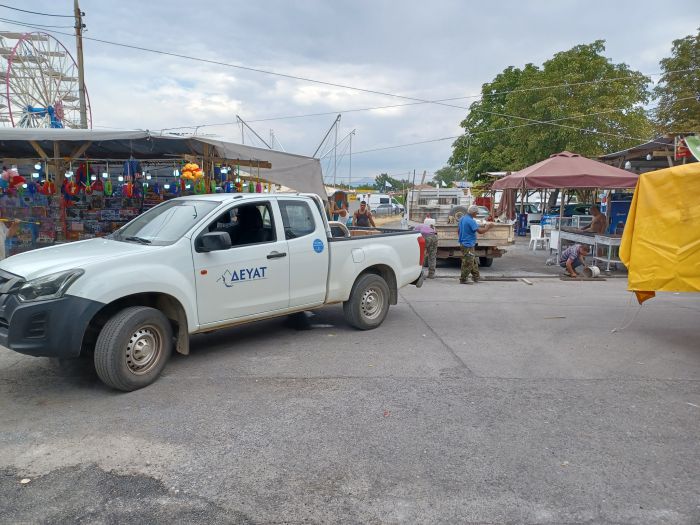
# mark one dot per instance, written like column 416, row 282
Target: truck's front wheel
column 133, row 347
column 368, row 303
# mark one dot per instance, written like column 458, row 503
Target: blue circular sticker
column 318, row 245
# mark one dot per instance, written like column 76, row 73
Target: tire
column 485, row 261
column 368, row 303
column 458, row 212
column 133, row 348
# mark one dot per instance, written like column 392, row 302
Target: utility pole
column 81, row 66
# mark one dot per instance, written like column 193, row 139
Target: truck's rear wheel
column 485, row 261
column 368, row 303
column 133, row 347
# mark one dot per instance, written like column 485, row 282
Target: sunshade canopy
column 661, row 241
column 567, row 170
column 300, row 173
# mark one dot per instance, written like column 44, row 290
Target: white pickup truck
column 192, row 265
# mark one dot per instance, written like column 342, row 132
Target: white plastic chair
column 554, row 241
column 537, row 238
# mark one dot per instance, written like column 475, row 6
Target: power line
column 373, row 108
column 343, row 86
column 42, row 26
column 34, row 12
column 545, row 122
column 292, row 77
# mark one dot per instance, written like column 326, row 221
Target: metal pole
column 81, row 66
column 350, row 176
column 244, row 123
column 335, row 123
column 335, row 156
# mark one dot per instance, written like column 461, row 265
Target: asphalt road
column 500, row 402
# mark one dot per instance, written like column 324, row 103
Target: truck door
column 251, row 277
column 308, row 251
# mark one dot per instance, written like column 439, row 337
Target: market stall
column 67, row 185
column 661, row 245
column 568, row 171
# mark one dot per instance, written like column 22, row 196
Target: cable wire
column 289, row 76
column 34, row 12
column 42, row 26
column 505, row 128
column 354, row 88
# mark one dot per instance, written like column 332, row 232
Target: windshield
column 166, row 223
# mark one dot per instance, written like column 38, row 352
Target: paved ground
column 499, row 402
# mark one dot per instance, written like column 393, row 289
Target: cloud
column 427, row 50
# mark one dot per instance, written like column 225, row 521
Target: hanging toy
column 212, row 186
column 258, row 187
column 128, row 190
column 32, row 188
column 71, row 187
column 14, row 178
column 251, row 187
column 108, row 189
column 82, row 175
column 200, row 187
column 131, row 168
column 47, row 188
column 191, row 171
column 98, row 186
column 156, row 189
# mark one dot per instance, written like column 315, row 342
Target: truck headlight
column 48, row 287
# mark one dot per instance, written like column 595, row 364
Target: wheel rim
column 144, row 350
column 372, row 303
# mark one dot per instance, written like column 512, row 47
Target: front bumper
column 52, row 328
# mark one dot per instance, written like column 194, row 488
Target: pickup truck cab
column 192, row 265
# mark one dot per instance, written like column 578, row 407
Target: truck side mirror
column 213, row 241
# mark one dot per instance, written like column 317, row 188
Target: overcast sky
column 428, row 50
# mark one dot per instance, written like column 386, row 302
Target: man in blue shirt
column 468, row 228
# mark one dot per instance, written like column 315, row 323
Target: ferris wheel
column 41, row 83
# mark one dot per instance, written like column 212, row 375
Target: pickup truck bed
column 488, row 245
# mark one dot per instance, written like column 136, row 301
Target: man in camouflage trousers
column 468, row 228
column 470, row 266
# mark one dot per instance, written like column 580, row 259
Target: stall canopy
column 300, row 173
column 567, row 170
column 661, row 241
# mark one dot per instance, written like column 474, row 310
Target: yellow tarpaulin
column 661, row 242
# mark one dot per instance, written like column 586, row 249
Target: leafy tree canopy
column 448, row 175
column 385, row 182
column 503, row 130
column 678, row 109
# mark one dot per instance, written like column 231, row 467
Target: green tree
column 678, row 90
column 384, row 182
column 504, row 131
column 448, row 175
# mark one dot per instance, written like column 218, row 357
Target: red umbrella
column 568, row 170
